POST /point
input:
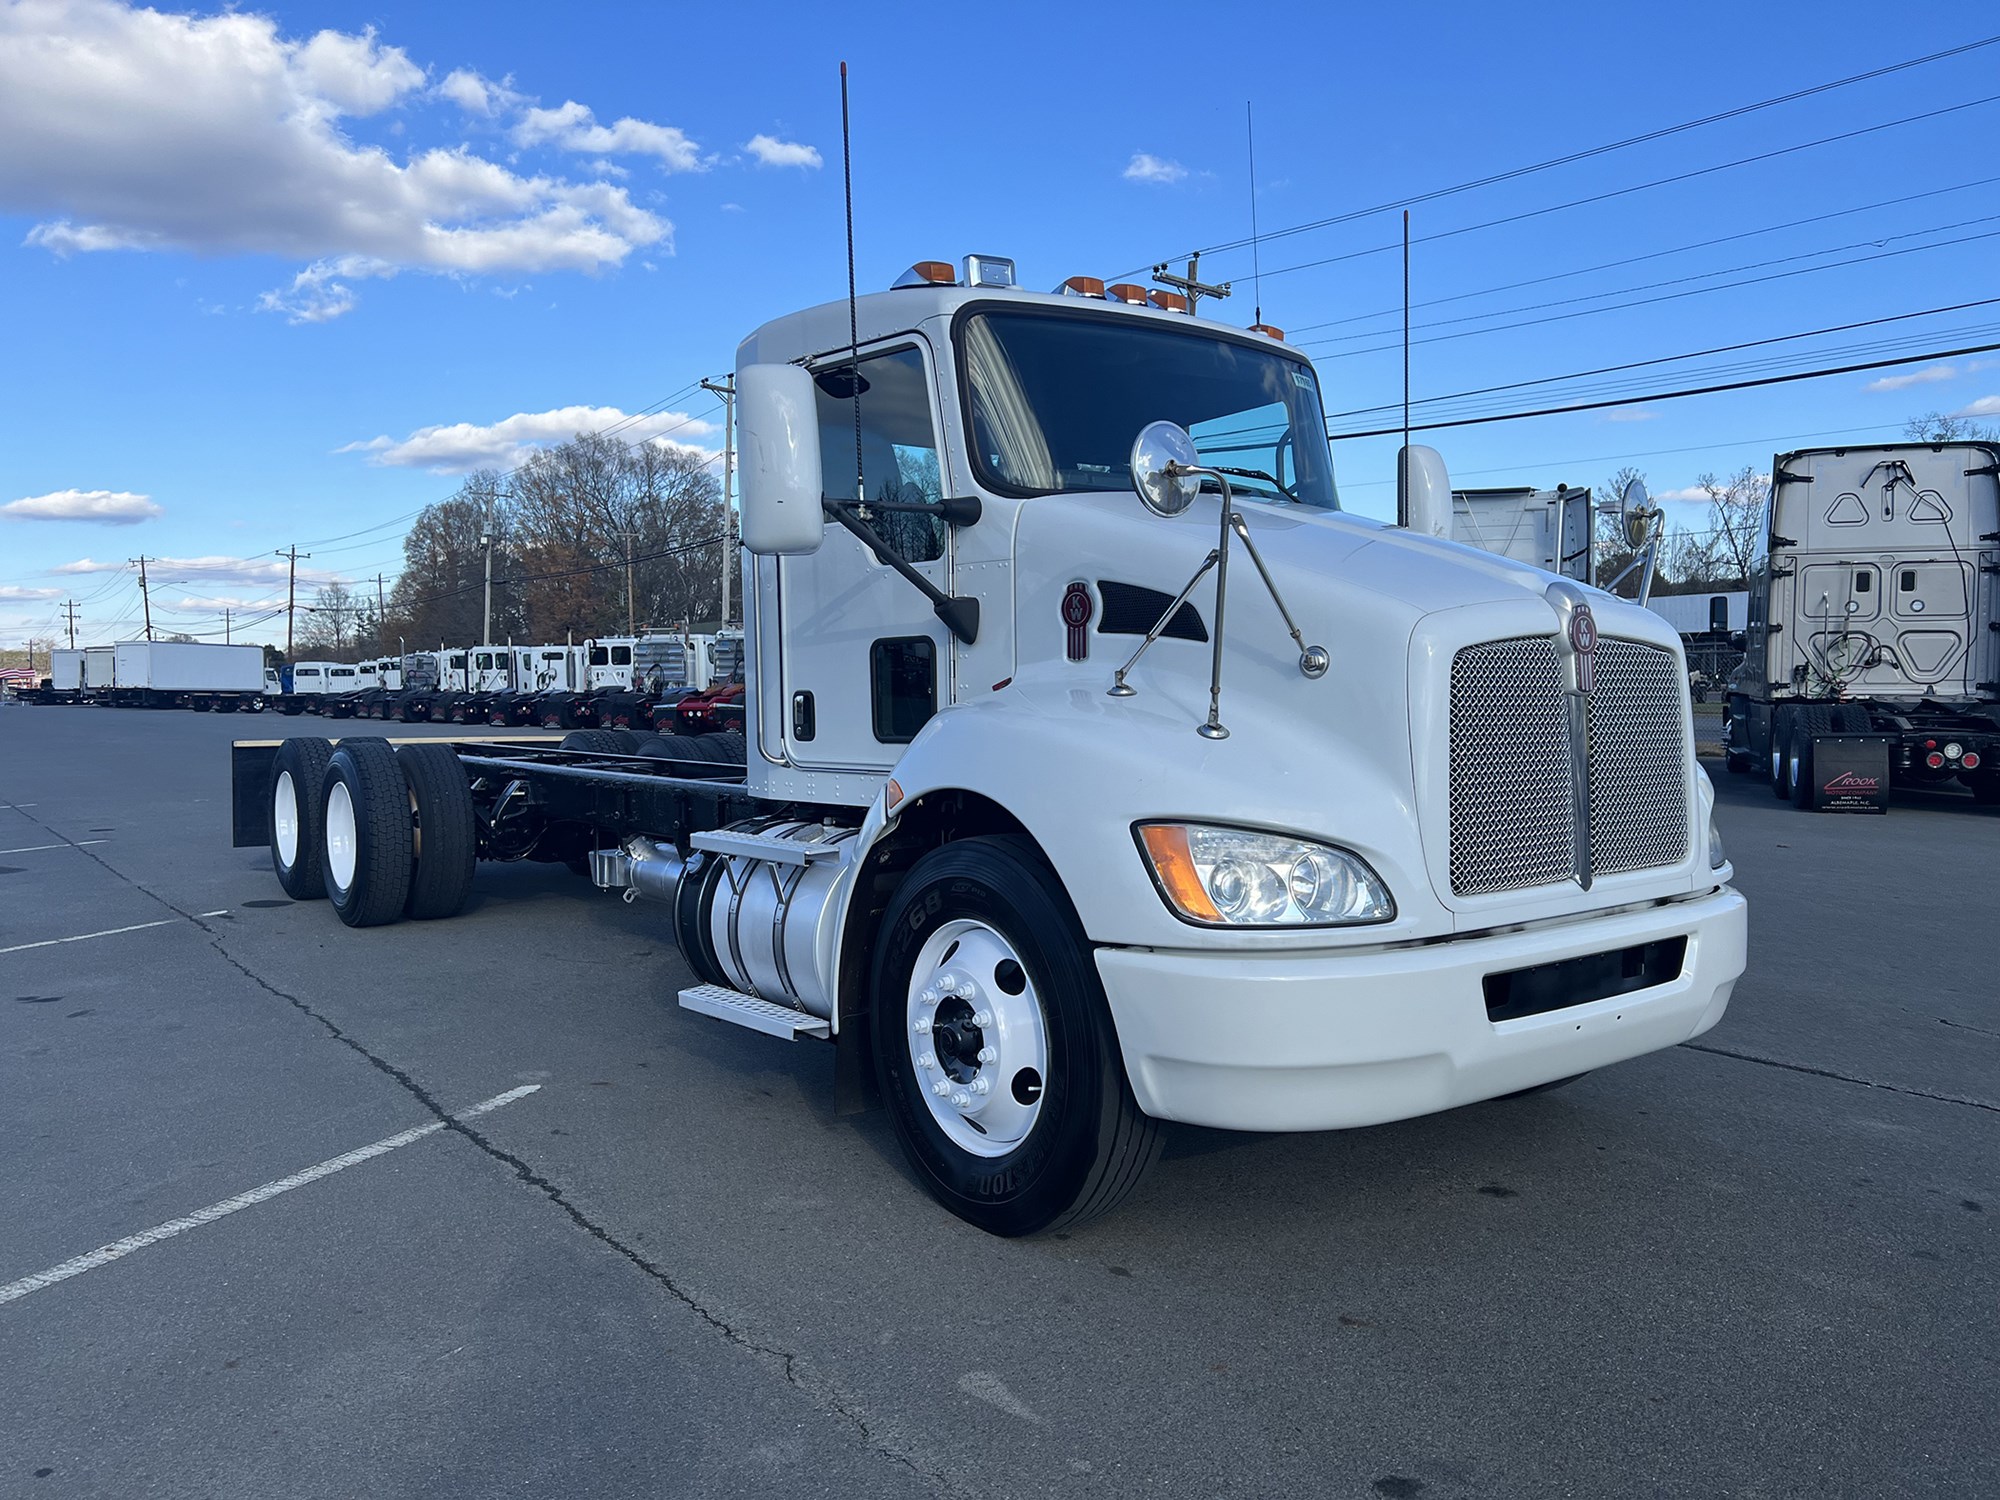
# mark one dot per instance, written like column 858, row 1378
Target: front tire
column 366, row 816
column 995, row 1048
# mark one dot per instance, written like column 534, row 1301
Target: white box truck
column 1100, row 771
column 186, row 674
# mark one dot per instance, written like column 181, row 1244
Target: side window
column 899, row 446
column 621, row 656
column 902, row 676
column 599, row 656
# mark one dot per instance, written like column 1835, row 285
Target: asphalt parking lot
column 658, row 1263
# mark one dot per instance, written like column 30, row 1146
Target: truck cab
column 1874, row 617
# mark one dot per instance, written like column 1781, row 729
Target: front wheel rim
column 285, row 819
column 977, row 1038
column 341, row 850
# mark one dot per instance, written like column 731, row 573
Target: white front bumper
column 1322, row 1040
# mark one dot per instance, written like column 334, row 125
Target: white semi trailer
column 1064, row 810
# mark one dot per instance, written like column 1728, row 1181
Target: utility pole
column 145, row 597
column 726, row 389
column 381, row 616
column 1190, row 285
column 631, row 610
column 486, row 547
column 69, row 612
column 225, row 626
column 291, row 592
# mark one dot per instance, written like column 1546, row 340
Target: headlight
column 1233, row 877
column 1716, row 858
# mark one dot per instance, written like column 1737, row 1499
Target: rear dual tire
column 369, row 835
column 298, row 780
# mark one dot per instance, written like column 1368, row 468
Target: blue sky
column 281, row 274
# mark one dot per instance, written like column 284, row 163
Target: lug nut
column 948, row 984
column 928, row 1060
column 923, row 1025
column 941, row 1087
column 983, row 1018
column 981, row 1086
column 987, row 1054
column 962, row 1099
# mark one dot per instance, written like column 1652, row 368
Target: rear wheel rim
column 977, row 1038
column 285, row 818
column 341, row 851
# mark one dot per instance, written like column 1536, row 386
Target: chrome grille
column 1511, row 823
column 1512, row 813
column 1638, row 760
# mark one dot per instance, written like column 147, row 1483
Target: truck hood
column 1359, row 757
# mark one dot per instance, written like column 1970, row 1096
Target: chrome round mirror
column 1158, row 445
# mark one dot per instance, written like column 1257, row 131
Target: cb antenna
column 853, row 320
column 1256, row 260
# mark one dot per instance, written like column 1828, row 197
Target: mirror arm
column 960, row 616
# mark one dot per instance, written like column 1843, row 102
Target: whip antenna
column 853, row 323
column 1256, row 260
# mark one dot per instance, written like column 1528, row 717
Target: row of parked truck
column 614, row 681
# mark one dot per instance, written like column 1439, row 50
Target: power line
column 1702, row 244
column 1666, row 359
column 1702, row 390
column 1636, row 140
column 1441, row 338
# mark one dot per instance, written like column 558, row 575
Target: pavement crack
column 795, row 1369
column 1961, row 1026
column 1867, row 1083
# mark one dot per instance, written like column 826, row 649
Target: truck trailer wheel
column 994, row 1046
column 366, row 811
column 298, row 776
column 596, row 741
column 443, row 837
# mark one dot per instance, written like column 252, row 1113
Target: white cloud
column 477, row 94
column 1146, row 167
column 772, row 152
column 1929, row 375
column 13, row 593
column 1692, row 492
column 1630, row 414
column 130, row 129
column 572, row 127
column 460, row 447
column 216, row 603
column 101, row 507
column 207, row 572
column 1985, row 406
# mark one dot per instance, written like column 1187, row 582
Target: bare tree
column 1936, row 427
column 1736, row 509
column 335, row 620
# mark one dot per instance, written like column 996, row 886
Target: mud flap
column 1850, row 774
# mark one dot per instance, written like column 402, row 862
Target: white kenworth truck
column 1098, row 770
column 1872, row 646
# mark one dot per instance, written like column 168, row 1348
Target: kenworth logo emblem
column 1583, row 641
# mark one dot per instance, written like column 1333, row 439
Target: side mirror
column 1425, row 491
column 1739, row 642
column 1158, row 445
column 1718, row 615
column 780, row 471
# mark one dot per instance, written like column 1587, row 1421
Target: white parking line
column 38, row 848
column 86, row 936
column 118, row 1249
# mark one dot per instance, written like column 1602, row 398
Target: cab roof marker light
column 1081, row 286
column 1168, row 301
column 1126, row 291
column 1268, row 331
column 989, row 270
column 926, row 273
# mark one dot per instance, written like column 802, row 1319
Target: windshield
column 1058, row 398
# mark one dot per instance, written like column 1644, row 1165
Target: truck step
column 777, row 851
column 747, row 1010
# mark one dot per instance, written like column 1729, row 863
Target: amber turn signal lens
column 1167, row 847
